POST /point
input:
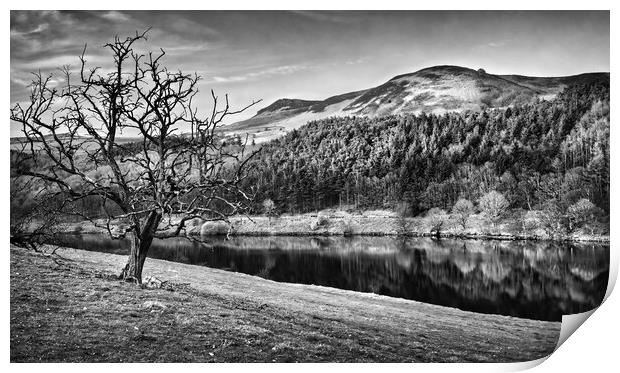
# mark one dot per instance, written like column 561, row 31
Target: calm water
column 536, row 280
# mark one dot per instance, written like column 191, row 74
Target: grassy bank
column 71, row 308
column 377, row 223
column 335, row 222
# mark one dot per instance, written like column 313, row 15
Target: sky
column 312, row 55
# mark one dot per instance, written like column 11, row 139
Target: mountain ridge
column 436, row 89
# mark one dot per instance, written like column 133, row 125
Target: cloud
column 24, row 34
column 116, row 16
column 20, row 81
column 72, row 59
column 169, row 24
column 278, row 70
column 325, row 16
column 496, row 45
column 493, row 44
column 45, row 40
column 190, row 47
column 357, row 61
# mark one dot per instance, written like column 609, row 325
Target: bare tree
column 269, row 208
column 493, row 205
column 149, row 188
column 462, row 210
column 34, row 216
column 580, row 213
column 437, row 218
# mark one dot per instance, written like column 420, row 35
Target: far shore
column 369, row 223
column 69, row 307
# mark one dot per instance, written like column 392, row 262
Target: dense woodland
column 549, row 156
column 542, row 155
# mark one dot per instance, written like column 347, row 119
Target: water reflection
column 536, row 280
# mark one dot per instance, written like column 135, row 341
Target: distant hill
column 435, row 89
column 18, row 143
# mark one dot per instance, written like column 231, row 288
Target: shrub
column 347, row 229
column 214, row 228
column 461, row 210
column 321, row 219
column 531, row 220
column 551, row 218
column 403, row 210
column 493, row 205
column 437, row 218
column 269, row 207
column 580, row 213
column 195, row 223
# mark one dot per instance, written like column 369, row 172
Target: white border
column 590, row 348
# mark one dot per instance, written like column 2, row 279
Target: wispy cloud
column 496, row 45
column 325, row 16
column 277, row 70
column 190, row 47
column 357, row 61
column 311, row 53
column 116, row 16
column 23, row 34
column 20, row 81
column 493, row 44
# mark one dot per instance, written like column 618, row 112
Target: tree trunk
column 135, row 263
column 140, row 246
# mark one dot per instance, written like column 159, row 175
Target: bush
column 403, row 210
column 531, row 220
column 194, row 225
column 269, row 207
column 493, row 205
column 214, row 228
column 322, row 219
column 347, row 229
column 462, row 210
column 551, row 219
column 437, row 218
column 580, row 213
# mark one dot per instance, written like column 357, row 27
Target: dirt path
column 72, row 309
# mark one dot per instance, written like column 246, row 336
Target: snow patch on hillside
column 261, row 134
column 299, row 120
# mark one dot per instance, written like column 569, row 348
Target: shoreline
column 488, row 237
column 379, row 223
column 220, row 316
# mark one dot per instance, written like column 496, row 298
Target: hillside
column 547, row 156
column 435, row 90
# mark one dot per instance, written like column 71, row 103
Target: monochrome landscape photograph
column 306, row 186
